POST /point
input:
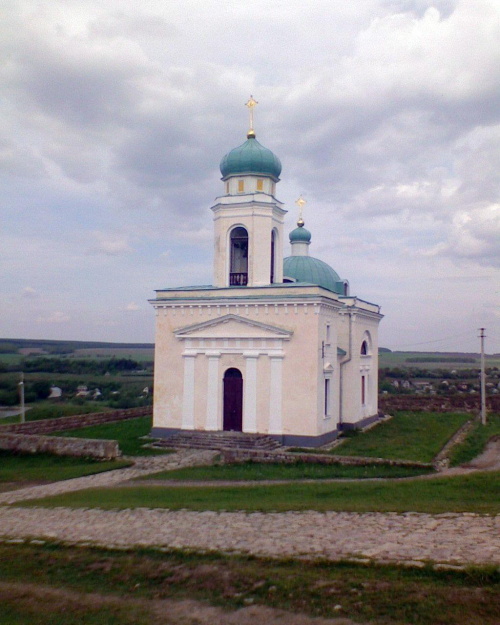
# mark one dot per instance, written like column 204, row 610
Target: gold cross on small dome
column 300, row 203
column 251, row 104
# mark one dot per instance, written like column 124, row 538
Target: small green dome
column 301, row 235
column 251, row 158
column 313, row 271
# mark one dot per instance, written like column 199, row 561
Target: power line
column 447, row 338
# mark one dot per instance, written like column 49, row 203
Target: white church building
column 275, row 345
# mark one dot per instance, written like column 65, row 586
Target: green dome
column 250, row 158
column 300, row 234
column 313, row 271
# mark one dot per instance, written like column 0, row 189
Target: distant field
column 11, row 359
column 435, row 360
column 139, row 354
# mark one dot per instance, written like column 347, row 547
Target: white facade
column 293, row 360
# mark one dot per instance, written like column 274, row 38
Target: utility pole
column 483, row 380
column 21, row 392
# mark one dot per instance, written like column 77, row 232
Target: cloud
column 385, row 114
column 475, row 234
column 29, row 292
column 110, row 244
column 131, row 307
column 55, row 317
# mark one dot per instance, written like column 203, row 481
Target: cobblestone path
column 142, row 466
column 445, row 538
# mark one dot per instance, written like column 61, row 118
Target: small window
column 363, row 390
column 241, row 186
column 328, row 334
column 227, row 188
column 364, row 348
column 327, row 397
column 260, row 185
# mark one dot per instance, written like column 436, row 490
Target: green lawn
column 128, row 433
column 479, row 492
column 416, row 436
column 51, row 410
column 296, row 471
column 16, row 469
column 476, row 441
column 51, row 584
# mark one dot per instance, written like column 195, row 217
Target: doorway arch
column 233, row 400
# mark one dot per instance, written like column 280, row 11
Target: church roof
column 300, row 234
column 313, row 271
column 250, row 158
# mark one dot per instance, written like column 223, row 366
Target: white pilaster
column 188, row 394
column 213, row 391
column 276, row 398
column 250, row 392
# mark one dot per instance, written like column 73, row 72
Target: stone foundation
column 231, row 456
column 75, row 422
column 61, row 446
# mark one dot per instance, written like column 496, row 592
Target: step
column 219, row 440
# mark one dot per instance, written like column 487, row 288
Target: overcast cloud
column 114, row 117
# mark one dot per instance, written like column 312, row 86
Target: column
column 250, row 392
column 276, row 398
column 213, row 392
column 188, row 394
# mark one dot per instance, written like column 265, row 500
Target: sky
column 114, row 116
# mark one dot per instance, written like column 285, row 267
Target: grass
column 296, row 471
column 128, row 433
column 16, row 469
column 366, row 593
column 416, row 436
column 399, row 359
column 476, row 441
column 41, row 606
column 50, row 410
column 478, row 492
column 139, row 354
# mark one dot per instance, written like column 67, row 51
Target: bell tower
column 248, row 219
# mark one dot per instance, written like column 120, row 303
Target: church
column 275, row 346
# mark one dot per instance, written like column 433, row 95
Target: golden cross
column 251, row 104
column 300, row 203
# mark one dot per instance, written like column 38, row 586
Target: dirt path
column 489, row 460
column 39, row 599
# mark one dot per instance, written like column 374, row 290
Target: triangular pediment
column 230, row 327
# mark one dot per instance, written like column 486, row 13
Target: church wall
column 300, row 378
column 327, row 368
column 263, row 393
column 353, row 409
column 168, row 378
column 299, row 412
column 201, row 392
column 189, row 371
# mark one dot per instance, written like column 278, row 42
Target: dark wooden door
column 233, row 400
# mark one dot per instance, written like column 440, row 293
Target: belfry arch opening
column 238, row 269
column 273, row 257
column 366, row 345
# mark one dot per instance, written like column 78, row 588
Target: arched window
column 364, row 348
column 238, row 271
